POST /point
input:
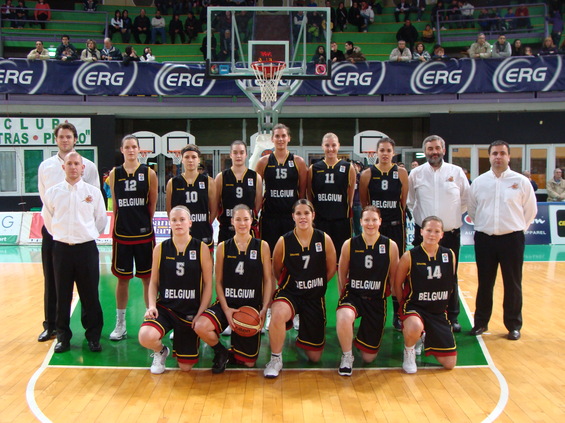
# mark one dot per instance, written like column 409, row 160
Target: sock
column 120, row 315
column 348, row 353
column 162, row 350
column 279, row 355
column 409, row 348
column 218, row 347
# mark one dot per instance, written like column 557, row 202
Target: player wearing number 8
column 195, row 191
column 424, row 282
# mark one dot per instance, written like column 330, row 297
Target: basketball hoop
column 371, row 157
column 177, row 159
column 268, row 76
column 143, row 156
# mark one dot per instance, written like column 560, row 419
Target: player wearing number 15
column 195, row 191
column 134, row 190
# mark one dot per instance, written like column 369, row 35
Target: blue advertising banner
column 514, row 74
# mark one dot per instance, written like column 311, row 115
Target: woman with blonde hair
column 90, row 53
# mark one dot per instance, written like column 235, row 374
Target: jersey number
column 368, row 262
column 131, row 185
column 330, row 178
column 180, row 268
column 239, row 268
column 306, row 261
column 281, row 173
column 384, row 184
column 239, row 192
column 434, row 273
column 191, row 197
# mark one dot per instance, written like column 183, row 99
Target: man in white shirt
column 51, row 173
column 440, row 189
column 75, row 215
column 502, row 205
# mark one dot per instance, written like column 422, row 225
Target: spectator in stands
column 341, row 17
column 179, row 6
column 408, row 33
column 501, row 49
column 484, row 21
column 147, row 55
column 116, row 24
column 439, row 53
column 130, row 56
column 495, row 20
column 176, row 28
column 454, row 15
column 42, row 12
column 528, row 51
column 420, row 53
column 141, row 25
column 38, row 53
column 226, row 51
column 517, row 48
column 21, row 15
column 314, row 28
column 332, row 14
column 297, row 21
column 418, row 7
column 162, row 6
column 242, row 20
column 336, row 55
column 353, row 53
column 467, row 14
column 90, row 5
column 191, row 27
column 557, row 21
column 90, row 53
column 556, row 187
column 354, row 16
column 548, row 48
column 110, row 52
column 320, row 57
column 510, row 19
column 438, row 15
column 66, row 51
column 367, row 14
column 528, row 175
column 213, row 48
column 481, row 49
column 523, row 17
column 428, row 35
column 158, row 27
column 127, row 26
column 8, row 12
column 401, row 53
column 402, row 7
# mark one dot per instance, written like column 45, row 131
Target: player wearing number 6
column 134, row 190
column 196, row 192
column 304, row 261
column 367, row 266
column 424, row 282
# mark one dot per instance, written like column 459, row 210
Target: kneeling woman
column 179, row 291
column 304, row 260
column 243, row 278
column 424, row 281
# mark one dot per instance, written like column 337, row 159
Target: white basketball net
column 177, row 159
column 371, row 157
column 268, row 76
column 143, row 156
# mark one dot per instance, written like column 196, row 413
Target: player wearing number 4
column 197, row 192
column 367, row 266
column 243, row 278
column 180, row 290
column 304, row 261
column 424, row 282
column 134, row 190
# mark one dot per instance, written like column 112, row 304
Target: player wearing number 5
column 304, row 261
column 197, row 192
column 331, row 185
column 134, row 190
column 424, row 282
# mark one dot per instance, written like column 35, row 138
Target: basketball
column 246, row 321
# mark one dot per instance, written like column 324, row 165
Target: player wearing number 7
column 424, row 282
column 134, row 190
column 197, row 192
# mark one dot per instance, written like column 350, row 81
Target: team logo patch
column 141, row 177
column 253, row 254
column 318, row 246
column 250, row 182
column 342, row 169
column 88, row 199
column 450, row 179
column 395, row 174
column 514, row 186
column 201, row 185
column 192, row 254
column 291, row 164
column 445, row 257
column 382, row 249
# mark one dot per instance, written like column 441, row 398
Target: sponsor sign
column 22, row 131
column 10, row 224
column 557, row 222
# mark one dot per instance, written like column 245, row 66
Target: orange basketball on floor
column 246, row 321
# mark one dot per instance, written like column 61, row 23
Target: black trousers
column 50, row 292
column 451, row 239
column 508, row 252
column 77, row 263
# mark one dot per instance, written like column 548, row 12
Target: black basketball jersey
column 369, row 267
column 304, row 268
column 385, row 192
column 195, row 197
column 131, row 205
column 431, row 280
column 236, row 192
column 281, row 186
column 329, row 190
column 180, row 278
column 243, row 274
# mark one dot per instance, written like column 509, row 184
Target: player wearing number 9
column 424, row 281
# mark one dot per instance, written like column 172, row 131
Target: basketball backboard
column 243, row 35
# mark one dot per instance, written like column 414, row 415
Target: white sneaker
column 119, row 332
column 419, row 347
column 273, row 367
column 409, row 362
column 159, row 360
column 267, row 320
column 346, row 365
column 296, row 322
column 227, row 331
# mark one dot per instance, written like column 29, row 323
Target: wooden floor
column 531, row 370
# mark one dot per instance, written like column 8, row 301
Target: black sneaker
column 220, row 361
